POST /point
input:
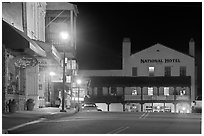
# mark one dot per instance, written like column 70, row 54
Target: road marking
column 25, row 124
column 118, row 130
column 121, row 130
column 144, row 115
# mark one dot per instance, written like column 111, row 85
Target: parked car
column 90, row 107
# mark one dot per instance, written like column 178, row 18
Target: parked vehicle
column 90, row 107
column 197, row 105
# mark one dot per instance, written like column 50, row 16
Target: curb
column 40, row 119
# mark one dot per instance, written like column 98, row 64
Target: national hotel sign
column 159, row 60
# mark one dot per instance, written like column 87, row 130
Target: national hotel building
column 156, row 79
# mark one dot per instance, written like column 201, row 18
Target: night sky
column 101, row 27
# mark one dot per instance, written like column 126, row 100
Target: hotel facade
column 156, row 79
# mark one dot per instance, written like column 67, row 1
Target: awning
column 106, row 81
column 50, row 50
column 17, row 40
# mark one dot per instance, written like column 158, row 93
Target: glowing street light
column 78, row 81
column 52, row 74
column 64, row 36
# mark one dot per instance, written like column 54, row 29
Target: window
column 99, row 91
column 105, row 91
column 166, row 90
column 151, row 71
column 113, row 91
column 150, row 90
column 134, row 92
column 119, row 91
column 95, row 91
column 134, row 71
column 182, row 92
column 182, row 71
column 167, row 71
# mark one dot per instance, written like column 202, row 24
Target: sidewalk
column 10, row 120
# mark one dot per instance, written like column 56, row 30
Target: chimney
column 126, row 50
column 192, row 47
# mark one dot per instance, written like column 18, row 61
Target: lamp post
column 64, row 36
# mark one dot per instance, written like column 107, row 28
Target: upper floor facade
column 28, row 17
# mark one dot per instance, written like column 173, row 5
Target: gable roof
column 163, row 46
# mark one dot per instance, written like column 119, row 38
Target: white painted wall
column 36, row 20
column 116, row 107
column 102, row 106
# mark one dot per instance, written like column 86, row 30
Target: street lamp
column 64, row 36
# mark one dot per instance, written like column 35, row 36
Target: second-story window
column 182, row 71
column 134, row 71
column 113, row 91
column 182, row 92
column 167, row 71
column 150, row 90
column 134, row 92
column 166, row 90
column 151, row 71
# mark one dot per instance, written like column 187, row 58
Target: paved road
column 117, row 123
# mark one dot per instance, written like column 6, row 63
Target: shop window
column 166, row 90
column 150, row 90
column 134, row 71
column 151, row 71
column 167, row 71
column 182, row 71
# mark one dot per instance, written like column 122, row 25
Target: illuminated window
column 150, row 90
column 151, row 71
column 134, row 92
column 182, row 92
column 68, row 79
column 166, row 90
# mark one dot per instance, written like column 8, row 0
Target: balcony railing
column 147, row 97
column 109, row 98
column 160, row 97
column 183, row 97
column 132, row 97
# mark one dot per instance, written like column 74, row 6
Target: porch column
column 141, row 106
column 108, row 106
column 175, row 107
column 123, row 106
